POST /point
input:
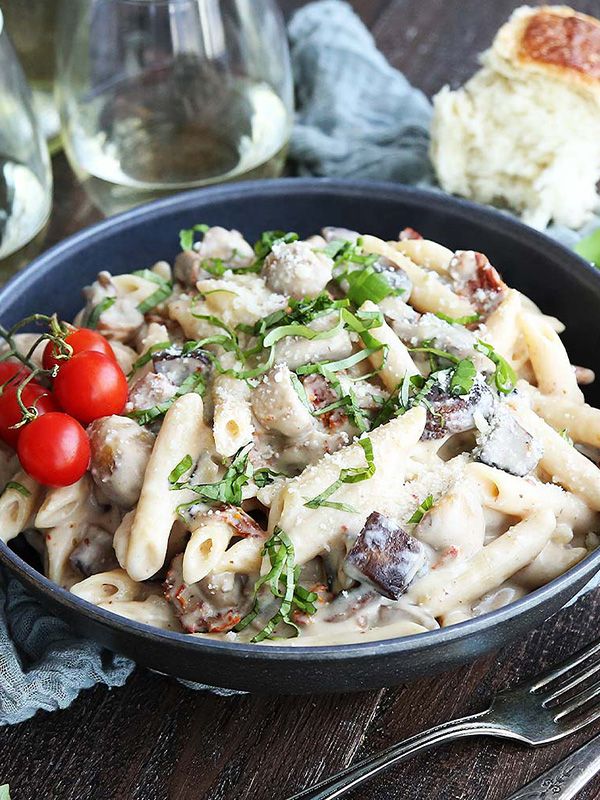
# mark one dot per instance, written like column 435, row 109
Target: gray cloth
column 357, row 117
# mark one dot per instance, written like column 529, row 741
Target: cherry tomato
column 91, row 385
column 9, row 368
column 10, row 411
column 54, row 449
column 82, row 340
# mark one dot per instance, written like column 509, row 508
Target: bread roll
column 524, row 131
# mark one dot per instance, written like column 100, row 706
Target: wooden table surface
column 156, row 740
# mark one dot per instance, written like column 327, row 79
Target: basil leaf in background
column 186, row 237
column 589, row 248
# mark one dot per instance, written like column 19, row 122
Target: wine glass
column 25, row 175
column 31, row 25
column 157, row 96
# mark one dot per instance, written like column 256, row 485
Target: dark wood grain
column 157, row 740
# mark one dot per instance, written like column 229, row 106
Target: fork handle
column 338, row 785
column 566, row 779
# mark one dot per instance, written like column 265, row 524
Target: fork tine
column 576, row 680
column 576, row 660
column 577, row 701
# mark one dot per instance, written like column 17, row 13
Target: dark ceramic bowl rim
column 509, row 225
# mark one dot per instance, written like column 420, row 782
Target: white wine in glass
column 187, row 93
column 25, row 176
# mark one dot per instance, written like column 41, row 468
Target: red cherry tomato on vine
column 91, row 385
column 82, row 340
column 8, row 369
column 54, row 450
column 10, row 411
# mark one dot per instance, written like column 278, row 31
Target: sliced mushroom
column 296, row 270
column 385, row 557
column 213, row 605
column 506, row 445
column 120, row 450
column 177, row 366
column 94, row 553
column 449, row 414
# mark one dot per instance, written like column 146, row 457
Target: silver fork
column 552, row 705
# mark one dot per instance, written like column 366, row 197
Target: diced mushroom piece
column 278, row 407
column 408, row 233
column 385, row 557
column 476, row 279
column 507, row 445
column 296, row 270
column 213, row 605
column 345, row 234
column 449, row 414
column 120, row 450
column 149, row 391
column 396, row 277
column 177, row 366
column 94, row 553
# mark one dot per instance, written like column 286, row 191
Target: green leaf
column 228, row 490
column 165, row 290
column 19, row 488
column 303, row 331
column 267, row 239
column 186, row 236
column 184, row 465
column 422, row 509
column 589, row 248
column 348, row 475
column 442, row 354
column 463, row 377
column 265, row 476
column 459, row 320
column 282, row 580
column 504, row 376
column 93, row 317
column 366, row 284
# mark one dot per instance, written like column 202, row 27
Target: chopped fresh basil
column 300, row 391
column 93, row 316
column 186, row 236
column 267, row 239
column 347, row 475
column 462, row 378
column 144, row 359
column 459, row 320
column 366, row 284
column 504, row 375
column 184, row 465
column 282, row 580
column 18, row 487
column 425, row 506
column 228, row 490
column 265, row 476
column 165, row 290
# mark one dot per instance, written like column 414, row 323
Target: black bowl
column 559, row 281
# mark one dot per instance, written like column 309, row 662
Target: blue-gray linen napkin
column 357, row 117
